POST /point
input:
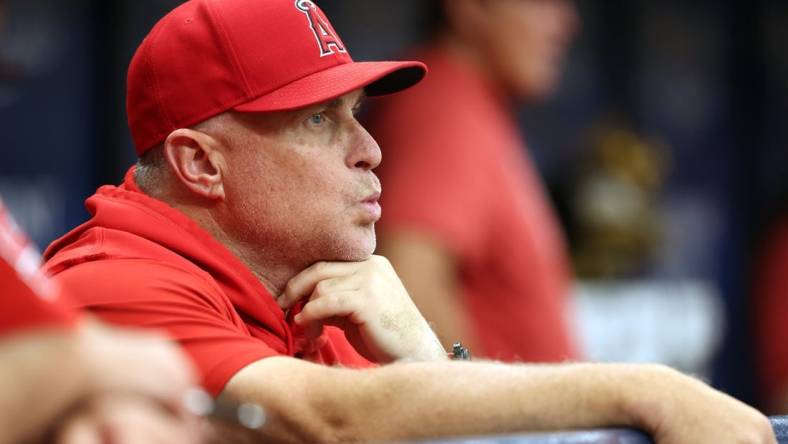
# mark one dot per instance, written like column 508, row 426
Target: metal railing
column 606, row 436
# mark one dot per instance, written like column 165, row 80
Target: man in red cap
column 246, row 231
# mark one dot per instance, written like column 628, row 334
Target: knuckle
column 363, row 275
column 290, row 289
column 321, row 288
column 320, row 267
column 377, row 281
column 334, row 300
column 382, row 261
column 312, row 307
column 309, row 313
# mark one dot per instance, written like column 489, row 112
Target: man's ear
column 196, row 162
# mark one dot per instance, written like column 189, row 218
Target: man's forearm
column 34, row 394
column 424, row 400
column 420, row 400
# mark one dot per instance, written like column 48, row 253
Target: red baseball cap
column 210, row 56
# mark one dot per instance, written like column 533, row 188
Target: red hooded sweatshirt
column 139, row 262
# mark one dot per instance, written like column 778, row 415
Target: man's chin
column 348, row 258
column 354, row 250
column 361, row 254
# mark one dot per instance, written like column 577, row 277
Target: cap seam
column 151, row 73
column 249, row 98
column 197, row 118
column 375, row 78
column 256, row 96
column 229, row 47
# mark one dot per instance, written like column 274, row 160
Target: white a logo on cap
column 327, row 39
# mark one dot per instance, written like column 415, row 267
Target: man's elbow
column 324, row 422
column 305, row 402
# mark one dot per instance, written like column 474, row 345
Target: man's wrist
column 431, row 349
column 642, row 393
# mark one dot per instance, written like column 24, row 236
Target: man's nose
column 364, row 151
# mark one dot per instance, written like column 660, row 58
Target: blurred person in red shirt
column 771, row 311
column 73, row 379
column 467, row 224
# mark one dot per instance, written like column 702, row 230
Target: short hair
column 149, row 171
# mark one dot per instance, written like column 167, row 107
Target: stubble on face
column 291, row 198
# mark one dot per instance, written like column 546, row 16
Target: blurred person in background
column 73, row 380
column 468, row 224
column 770, row 301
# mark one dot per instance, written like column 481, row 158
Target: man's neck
column 273, row 273
column 269, row 271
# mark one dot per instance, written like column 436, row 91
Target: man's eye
column 317, row 119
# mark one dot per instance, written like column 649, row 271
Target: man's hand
column 126, row 419
column 138, row 362
column 134, row 388
column 676, row 408
column 368, row 301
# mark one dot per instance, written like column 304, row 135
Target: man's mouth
column 372, row 198
column 372, row 206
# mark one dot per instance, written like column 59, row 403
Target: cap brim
column 377, row 78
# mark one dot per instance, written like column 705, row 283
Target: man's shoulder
column 119, row 280
column 106, row 265
column 102, row 243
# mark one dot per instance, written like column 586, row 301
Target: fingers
column 126, row 420
column 119, row 360
column 303, row 284
column 337, row 304
column 144, row 424
column 368, row 302
column 81, row 429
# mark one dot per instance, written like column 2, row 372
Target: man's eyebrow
column 338, row 101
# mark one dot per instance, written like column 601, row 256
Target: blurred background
column 665, row 152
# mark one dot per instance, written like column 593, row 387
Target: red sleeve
column 27, row 298
column 433, row 174
column 772, row 312
column 22, row 309
column 158, row 296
